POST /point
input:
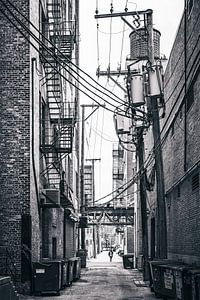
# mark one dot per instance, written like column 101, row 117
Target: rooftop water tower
column 139, row 44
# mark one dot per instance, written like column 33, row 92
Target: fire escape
column 59, row 121
column 118, row 173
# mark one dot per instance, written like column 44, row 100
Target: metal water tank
column 139, row 44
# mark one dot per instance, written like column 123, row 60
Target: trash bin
column 162, row 277
column 189, row 284
column 82, row 253
column 178, row 272
column 197, row 286
column 64, row 273
column 46, row 276
column 128, row 261
column 77, row 268
column 70, row 271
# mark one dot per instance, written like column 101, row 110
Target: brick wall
column 14, row 133
column 17, row 188
column 181, row 146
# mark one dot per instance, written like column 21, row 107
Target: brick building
column 39, row 139
column 180, row 143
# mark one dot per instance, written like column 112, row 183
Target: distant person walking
column 110, row 254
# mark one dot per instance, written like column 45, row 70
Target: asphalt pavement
column 104, row 280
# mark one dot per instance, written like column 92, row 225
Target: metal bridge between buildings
column 111, row 216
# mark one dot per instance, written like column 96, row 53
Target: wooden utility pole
column 162, row 228
column 143, row 201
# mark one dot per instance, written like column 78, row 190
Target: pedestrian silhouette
column 110, row 254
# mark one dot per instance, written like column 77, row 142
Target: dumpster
column 189, row 284
column 179, row 273
column 162, row 277
column 46, row 276
column 82, row 253
column 70, row 271
column 128, row 261
column 197, row 286
column 77, row 268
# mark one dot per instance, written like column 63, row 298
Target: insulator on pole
column 137, row 91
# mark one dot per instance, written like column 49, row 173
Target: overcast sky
column 113, row 49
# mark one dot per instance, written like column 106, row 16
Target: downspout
column 33, row 60
column 185, row 89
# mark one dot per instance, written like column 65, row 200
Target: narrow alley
column 102, row 279
column 99, row 149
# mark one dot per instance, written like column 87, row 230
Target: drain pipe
column 33, row 60
column 185, row 88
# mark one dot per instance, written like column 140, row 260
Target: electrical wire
column 36, row 48
column 69, row 61
column 146, row 164
column 46, row 60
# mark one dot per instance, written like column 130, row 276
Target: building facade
column 180, row 144
column 39, row 136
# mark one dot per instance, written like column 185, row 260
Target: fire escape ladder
column 60, row 125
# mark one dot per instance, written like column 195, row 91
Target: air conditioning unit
column 50, row 196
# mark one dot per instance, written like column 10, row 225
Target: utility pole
column 93, row 160
column 82, row 176
column 82, row 192
column 162, row 228
column 143, row 201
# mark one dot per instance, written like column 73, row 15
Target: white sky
column 166, row 18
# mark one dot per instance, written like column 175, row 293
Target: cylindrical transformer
column 139, row 44
column 137, row 92
column 155, row 81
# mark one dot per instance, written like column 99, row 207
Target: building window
column 195, row 182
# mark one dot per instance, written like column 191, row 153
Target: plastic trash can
column 70, row 271
column 82, row 253
column 64, row 274
column 128, row 261
column 77, row 268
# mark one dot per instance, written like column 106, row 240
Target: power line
column 46, row 60
column 69, row 61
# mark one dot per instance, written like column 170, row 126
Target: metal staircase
column 60, row 125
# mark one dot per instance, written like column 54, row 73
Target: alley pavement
column 105, row 280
